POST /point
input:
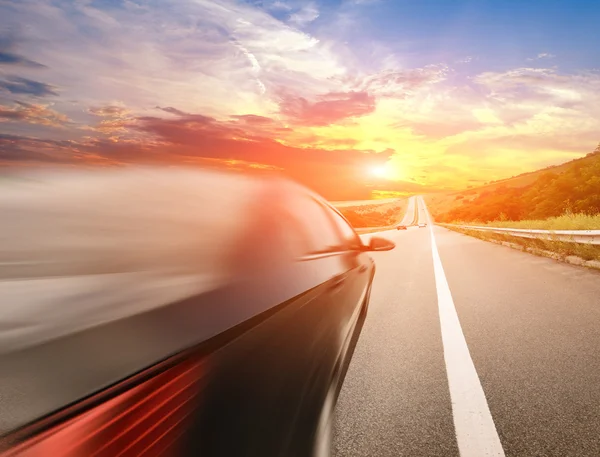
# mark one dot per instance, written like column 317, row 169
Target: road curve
column 531, row 328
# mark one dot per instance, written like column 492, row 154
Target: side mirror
column 380, row 244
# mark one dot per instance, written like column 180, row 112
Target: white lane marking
column 476, row 432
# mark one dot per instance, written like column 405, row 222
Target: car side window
column 350, row 238
column 296, row 239
column 308, row 217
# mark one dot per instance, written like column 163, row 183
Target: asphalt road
column 523, row 381
column 409, row 216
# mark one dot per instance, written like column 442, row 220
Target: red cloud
column 195, row 139
column 32, row 114
column 328, row 108
column 253, row 119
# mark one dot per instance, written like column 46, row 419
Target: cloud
column 511, row 78
column 542, row 55
column 226, row 56
column 334, row 173
column 328, row 109
column 32, row 114
column 402, row 83
column 9, row 57
column 116, row 120
column 279, row 6
column 535, row 88
column 467, row 59
column 19, row 85
column 438, row 129
column 172, row 110
column 196, row 139
column 305, row 15
column 497, row 123
column 112, row 126
column 210, row 138
column 253, row 119
column 529, row 118
column 109, row 111
column 17, row 150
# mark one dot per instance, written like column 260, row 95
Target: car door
column 315, row 336
column 335, row 257
column 268, row 385
column 360, row 266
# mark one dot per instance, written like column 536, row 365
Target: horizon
column 356, row 99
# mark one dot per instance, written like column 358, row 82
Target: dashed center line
column 474, row 426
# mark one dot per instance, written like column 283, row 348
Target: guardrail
column 567, row 236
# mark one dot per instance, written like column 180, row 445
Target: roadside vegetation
column 374, row 215
column 567, row 221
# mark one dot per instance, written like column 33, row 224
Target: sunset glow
column 379, row 171
column 445, row 94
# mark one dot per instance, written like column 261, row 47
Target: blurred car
column 175, row 312
column 422, row 224
column 401, row 227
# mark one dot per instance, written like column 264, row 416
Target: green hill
column 570, row 187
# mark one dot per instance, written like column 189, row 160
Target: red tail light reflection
column 146, row 420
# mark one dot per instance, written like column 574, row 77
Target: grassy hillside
column 570, row 187
column 526, row 179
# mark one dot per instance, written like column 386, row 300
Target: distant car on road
column 175, row 312
column 401, row 227
column 422, row 225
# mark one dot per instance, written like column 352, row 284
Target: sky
column 354, row 98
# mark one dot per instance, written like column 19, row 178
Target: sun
column 379, row 171
column 388, row 171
